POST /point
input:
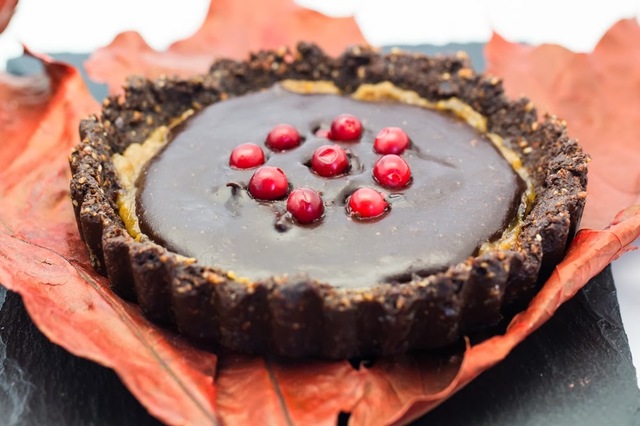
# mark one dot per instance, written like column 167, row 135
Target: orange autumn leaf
column 597, row 94
column 7, row 8
column 231, row 29
column 254, row 390
column 43, row 259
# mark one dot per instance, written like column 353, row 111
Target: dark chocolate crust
column 295, row 316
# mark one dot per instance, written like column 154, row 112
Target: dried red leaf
column 393, row 383
column 43, row 259
column 597, row 94
column 231, row 30
column 7, row 9
column 254, row 390
column 590, row 252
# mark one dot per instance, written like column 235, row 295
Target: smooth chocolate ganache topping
column 297, row 204
column 462, row 193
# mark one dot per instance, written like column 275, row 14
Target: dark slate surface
column 576, row 369
column 25, row 65
column 474, row 50
column 43, row 384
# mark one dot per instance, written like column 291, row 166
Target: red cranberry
column 305, row 205
column 246, row 156
column 367, row 203
column 283, row 137
column 392, row 171
column 345, row 128
column 329, row 160
column 268, row 183
column 391, row 140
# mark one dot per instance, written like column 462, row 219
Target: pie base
column 295, row 316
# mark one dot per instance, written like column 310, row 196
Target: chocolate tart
column 151, row 176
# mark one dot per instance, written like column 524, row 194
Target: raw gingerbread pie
column 301, row 205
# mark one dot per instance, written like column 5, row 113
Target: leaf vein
column 278, row 392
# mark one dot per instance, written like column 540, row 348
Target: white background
column 83, row 26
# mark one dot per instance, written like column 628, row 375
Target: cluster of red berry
column 305, row 204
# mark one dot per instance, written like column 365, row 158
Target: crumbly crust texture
column 294, row 316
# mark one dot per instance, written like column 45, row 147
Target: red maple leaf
column 7, row 8
column 597, row 94
column 231, row 29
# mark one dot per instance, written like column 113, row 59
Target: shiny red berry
column 391, row 171
column 283, row 137
column 268, row 183
column 391, row 140
column 367, row 203
column 345, row 128
column 246, row 156
column 305, row 205
column 329, row 160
